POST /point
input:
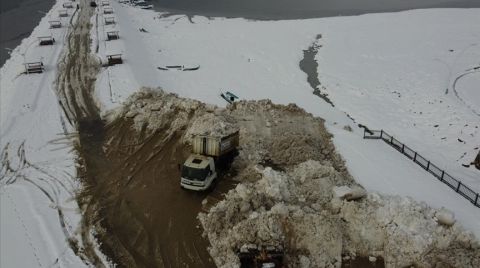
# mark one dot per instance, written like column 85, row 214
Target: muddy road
column 130, row 197
column 77, row 71
column 147, row 219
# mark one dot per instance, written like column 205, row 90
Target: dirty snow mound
column 155, row 110
column 281, row 136
column 295, row 191
column 270, row 134
column 215, row 123
column 300, row 211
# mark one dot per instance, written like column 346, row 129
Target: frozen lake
column 19, row 17
column 299, row 9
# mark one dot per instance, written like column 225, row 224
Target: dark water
column 299, row 9
column 17, row 20
column 19, row 17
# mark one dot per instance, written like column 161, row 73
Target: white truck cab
column 198, row 172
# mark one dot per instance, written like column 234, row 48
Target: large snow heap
column 300, row 211
column 294, row 191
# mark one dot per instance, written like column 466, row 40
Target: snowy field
column 39, row 213
column 389, row 71
column 416, row 81
column 393, row 71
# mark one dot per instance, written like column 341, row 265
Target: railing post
column 403, row 148
column 391, row 140
column 458, row 187
column 476, row 200
column 428, row 165
column 443, row 173
column 415, row 157
column 364, row 133
column 381, row 133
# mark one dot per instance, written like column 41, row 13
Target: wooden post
column 415, row 157
column 381, row 133
column 391, row 140
column 458, row 187
column 443, row 173
column 403, row 148
column 476, row 200
column 428, row 165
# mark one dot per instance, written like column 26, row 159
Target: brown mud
column 130, row 197
column 146, row 219
column 74, row 87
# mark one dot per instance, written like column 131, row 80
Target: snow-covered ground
column 401, row 76
column 387, row 71
column 39, row 213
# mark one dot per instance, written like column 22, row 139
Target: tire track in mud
column 147, row 220
column 130, row 196
column 77, row 71
column 74, row 87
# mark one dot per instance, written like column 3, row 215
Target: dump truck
column 251, row 256
column 199, row 172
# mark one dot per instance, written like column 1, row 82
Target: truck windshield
column 194, row 173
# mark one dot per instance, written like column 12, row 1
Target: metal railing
column 439, row 173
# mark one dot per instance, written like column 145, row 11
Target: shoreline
column 274, row 11
column 25, row 17
column 28, row 30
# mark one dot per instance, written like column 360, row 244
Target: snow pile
column 445, row 217
column 282, row 135
column 406, row 233
column 301, row 201
column 270, row 134
column 154, row 110
column 214, row 123
column 274, row 211
column 298, row 210
column 347, row 193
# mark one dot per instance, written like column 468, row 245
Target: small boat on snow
column 142, row 4
column 178, row 68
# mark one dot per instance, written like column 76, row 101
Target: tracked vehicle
column 252, row 256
